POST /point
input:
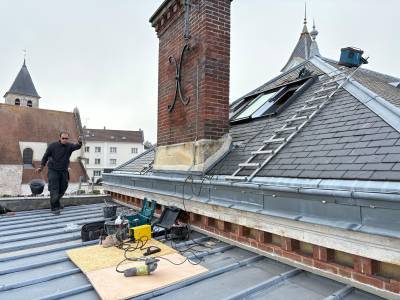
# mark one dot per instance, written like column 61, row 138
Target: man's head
column 64, row 137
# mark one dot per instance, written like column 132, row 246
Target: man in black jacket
column 57, row 158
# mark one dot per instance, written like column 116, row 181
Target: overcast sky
column 101, row 55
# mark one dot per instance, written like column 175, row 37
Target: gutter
column 354, row 189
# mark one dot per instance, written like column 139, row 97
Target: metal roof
column 23, row 84
column 34, row 265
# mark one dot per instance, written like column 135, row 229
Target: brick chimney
column 193, row 83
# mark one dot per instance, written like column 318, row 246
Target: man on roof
column 57, row 158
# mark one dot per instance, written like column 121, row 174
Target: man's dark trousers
column 58, row 184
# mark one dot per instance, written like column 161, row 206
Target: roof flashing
column 380, row 106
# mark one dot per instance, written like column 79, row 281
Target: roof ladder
column 259, row 158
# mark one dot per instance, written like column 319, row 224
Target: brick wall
column 207, row 62
column 364, row 270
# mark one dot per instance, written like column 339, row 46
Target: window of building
column 96, row 173
column 134, row 150
column 113, row 149
column 86, row 160
column 29, row 103
column 17, row 102
column 87, row 148
column 97, row 149
column 113, row 161
column 270, row 102
column 27, row 157
column 97, row 161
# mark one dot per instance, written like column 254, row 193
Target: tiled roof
column 23, row 84
column 140, row 163
column 302, row 49
column 346, row 140
column 107, row 135
column 29, row 124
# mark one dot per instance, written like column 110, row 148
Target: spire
column 314, row 46
column 23, row 84
column 301, row 51
column 305, row 29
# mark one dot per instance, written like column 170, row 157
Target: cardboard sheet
column 111, row 285
column 97, row 257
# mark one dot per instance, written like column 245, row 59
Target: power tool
column 150, row 265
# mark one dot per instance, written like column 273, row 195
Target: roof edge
column 377, row 104
column 354, row 189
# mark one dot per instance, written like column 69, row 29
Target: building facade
column 106, row 149
column 25, row 132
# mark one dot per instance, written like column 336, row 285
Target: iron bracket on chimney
column 178, row 64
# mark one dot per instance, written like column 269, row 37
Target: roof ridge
column 377, row 104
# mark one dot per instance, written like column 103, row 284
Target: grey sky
column 101, row 55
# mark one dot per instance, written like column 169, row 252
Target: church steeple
column 23, row 91
column 306, row 46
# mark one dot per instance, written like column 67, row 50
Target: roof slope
column 23, row 84
column 34, row 265
column 140, row 163
column 120, row 136
column 346, row 140
column 29, row 124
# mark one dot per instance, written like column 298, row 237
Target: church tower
column 22, row 91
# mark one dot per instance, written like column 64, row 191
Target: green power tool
column 150, row 265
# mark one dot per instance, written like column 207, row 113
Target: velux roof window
column 268, row 102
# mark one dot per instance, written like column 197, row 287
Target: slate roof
column 23, row 84
column 108, row 135
column 139, row 164
column 302, row 49
column 346, row 140
column 34, row 265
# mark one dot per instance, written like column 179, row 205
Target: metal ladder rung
column 308, row 108
column 239, row 178
column 286, row 129
column 251, row 165
column 335, row 80
column 316, row 99
column 259, row 152
column 294, row 119
column 325, row 89
column 270, row 141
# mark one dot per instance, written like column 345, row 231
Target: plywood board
column 111, row 285
column 97, row 257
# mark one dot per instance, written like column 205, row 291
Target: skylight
column 269, row 102
column 255, row 105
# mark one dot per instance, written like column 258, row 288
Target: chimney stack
column 193, row 83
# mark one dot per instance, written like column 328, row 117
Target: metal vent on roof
column 124, row 138
column 112, row 137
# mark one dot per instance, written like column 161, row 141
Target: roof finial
column 314, row 32
column 24, row 50
column 305, row 13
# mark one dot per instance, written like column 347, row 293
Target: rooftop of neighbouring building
column 118, row 136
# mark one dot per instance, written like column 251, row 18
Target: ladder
column 292, row 126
